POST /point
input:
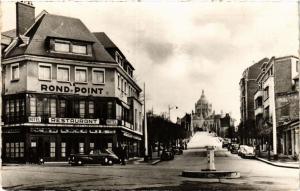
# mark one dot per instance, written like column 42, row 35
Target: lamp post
column 145, row 127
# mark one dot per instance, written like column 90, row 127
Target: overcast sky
column 180, row 48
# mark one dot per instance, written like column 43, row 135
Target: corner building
column 65, row 91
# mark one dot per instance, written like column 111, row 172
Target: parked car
column 167, row 154
column 225, row 142
column 105, row 157
column 177, row 151
column 234, row 148
column 246, row 151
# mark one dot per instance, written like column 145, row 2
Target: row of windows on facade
column 63, row 73
column 52, row 107
column 121, row 62
column 124, row 87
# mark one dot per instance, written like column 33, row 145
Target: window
column 91, row 109
column 22, row 107
column 15, row 72
column 62, row 47
column 125, row 87
column 52, row 149
column 98, row 76
column 122, row 85
column 17, row 110
column 266, row 93
column 297, row 66
column 63, row 73
column 79, row 49
column 81, row 109
column 119, row 81
column 44, row 72
column 53, row 107
column 118, row 112
column 81, row 148
column 32, row 107
column 12, row 108
column 14, row 150
column 62, row 108
column 92, row 146
column 80, row 75
column 63, row 149
column 109, row 110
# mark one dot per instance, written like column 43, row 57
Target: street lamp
column 170, row 108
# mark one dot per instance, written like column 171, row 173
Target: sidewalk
column 283, row 160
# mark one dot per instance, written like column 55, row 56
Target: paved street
column 255, row 175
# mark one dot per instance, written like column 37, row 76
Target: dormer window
column 70, row 47
column 62, row 46
column 79, row 49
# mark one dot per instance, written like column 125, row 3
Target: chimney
column 25, row 14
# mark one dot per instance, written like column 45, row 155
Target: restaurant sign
column 74, row 121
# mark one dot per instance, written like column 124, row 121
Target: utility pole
column 145, row 127
column 299, row 87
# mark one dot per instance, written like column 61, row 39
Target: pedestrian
column 123, row 155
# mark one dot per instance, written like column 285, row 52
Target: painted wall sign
column 74, row 121
column 34, row 119
column 71, row 89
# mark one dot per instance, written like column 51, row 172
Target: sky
column 180, row 48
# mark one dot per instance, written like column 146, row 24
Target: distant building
column 65, row 90
column 203, row 109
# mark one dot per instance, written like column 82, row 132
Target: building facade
column 64, row 91
column 277, row 104
column 248, row 87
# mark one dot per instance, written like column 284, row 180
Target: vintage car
column 234, row 148
column 246, row 151
column 104, row 157
column 167, row 154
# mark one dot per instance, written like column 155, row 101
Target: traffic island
column 210, row 171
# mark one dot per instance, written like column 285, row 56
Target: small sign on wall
column 34, row 119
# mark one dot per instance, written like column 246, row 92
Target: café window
column 110, row 110
column 63, row 73
column 81, row 74
column 91, row 108
column 98, row 76
column 42, row 107
column 44, row 71
column 79, row 49
column 61, row 46
column 14, row 150
column 15, row 72
column 53, row 107
column 12, row 108
column 63, row 149
column 118, row 112
column 32, row 106
column 52, row 149
column 62, row 108
column 82, row 109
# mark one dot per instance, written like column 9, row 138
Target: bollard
column 210, row 158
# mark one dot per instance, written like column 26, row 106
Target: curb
column 211, row 174
column 155, row 162
column 278, row 165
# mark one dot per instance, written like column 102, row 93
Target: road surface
column 255, row 175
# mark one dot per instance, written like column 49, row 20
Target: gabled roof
column 110, row 45
column 65, row 28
